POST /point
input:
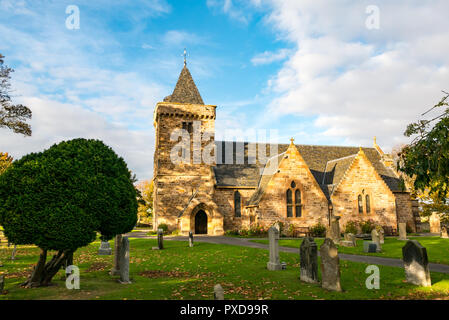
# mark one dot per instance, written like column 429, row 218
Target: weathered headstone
column 2, row 284
column 14, row 252
column 218, row 292
column 350, row 240
column 273, row 237
column 124, row 261
column 434, row 222
column 416, row 264
column 369, row 247
column 105, row 249
column 190, row 239
column 160, row 239
column 376, row 239
column 334, row 230
column 308, row 256
column 381, row 232
column 116, row 267
column 444, row 234
column 402, row 231
column 330, row 266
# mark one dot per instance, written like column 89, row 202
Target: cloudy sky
column 323, row 72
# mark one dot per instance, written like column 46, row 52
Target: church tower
column 183, row 161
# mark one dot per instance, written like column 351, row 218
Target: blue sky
column 310, row 69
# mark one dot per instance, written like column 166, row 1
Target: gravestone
column 124, row 261
column 218, row 292
column 444, row 234
column 369, row 247
column 116, row 267
column 376, row 239
column 434, row 222
column 2, row 283
column 13, row 254
column 334, row 230
column 381, row 232
column 190, row 239
column 308, row 256
column 273, row 237
column 350, row 240
column 160, row 239
column 330, row 266
column 105, row 249
column 416, row 264
column 402, row 231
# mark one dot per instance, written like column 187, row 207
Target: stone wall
column 404, row 209
column 224, row 198
column 361, row 178
column 273, row 206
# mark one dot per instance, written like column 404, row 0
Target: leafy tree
column 59, row 198
column 5, row 161
column 145, row 199
column 426, row 158
column 11, row 116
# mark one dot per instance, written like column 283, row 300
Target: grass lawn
column 437, row 248
column 180, row 272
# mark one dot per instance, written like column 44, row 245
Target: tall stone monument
column 402, row 231
column 160, row 239
column 334, row 232
column 416, row 264
column 330, row 266
column 308, row 256
column 273, row 237
column 116, row 267
column 435, row 224
column 124, row 261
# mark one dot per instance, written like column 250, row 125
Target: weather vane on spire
column 185, row 57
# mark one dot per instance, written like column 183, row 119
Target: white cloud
column 181, row 38
column 360, row 83
column 268, row 57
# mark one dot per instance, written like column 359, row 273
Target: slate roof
column 326, row 163
column 185, row 90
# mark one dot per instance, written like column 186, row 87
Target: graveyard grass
column 437, row 248
column 180, row 272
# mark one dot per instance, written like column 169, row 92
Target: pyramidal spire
column 185, row 90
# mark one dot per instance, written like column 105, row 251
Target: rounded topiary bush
column 60, row 198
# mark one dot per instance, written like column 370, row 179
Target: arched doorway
column 201, row 222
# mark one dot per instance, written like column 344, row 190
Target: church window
column 298, row 209
column 360, row 202
column 289, row 204
column 188, row 126
column 237, row 204
column 368, row 204
column 293, row 185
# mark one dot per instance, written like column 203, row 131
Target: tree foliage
column 5, row 161
column 12, row 116
column 426, row 158
column 59, row 198
column 145, row 198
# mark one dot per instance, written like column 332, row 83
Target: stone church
column 301, row 185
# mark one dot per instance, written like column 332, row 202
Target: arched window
column 368, row 204
column 289, row 204
column 298, row 203
column 237, row 204
column 293, row 185
column 360, row 201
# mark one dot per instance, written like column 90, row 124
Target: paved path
column 245, row 242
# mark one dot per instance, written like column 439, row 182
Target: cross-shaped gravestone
column 273, row 237
column 308, row 256
column 330, row 266
column 416, row 264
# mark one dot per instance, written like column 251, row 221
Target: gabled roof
column 326, row 163
column 185, row 90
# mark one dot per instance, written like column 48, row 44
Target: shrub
column 351, row 227
column 60, row 198
column 164, row 227
column 318, row 230
column 367, row 226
